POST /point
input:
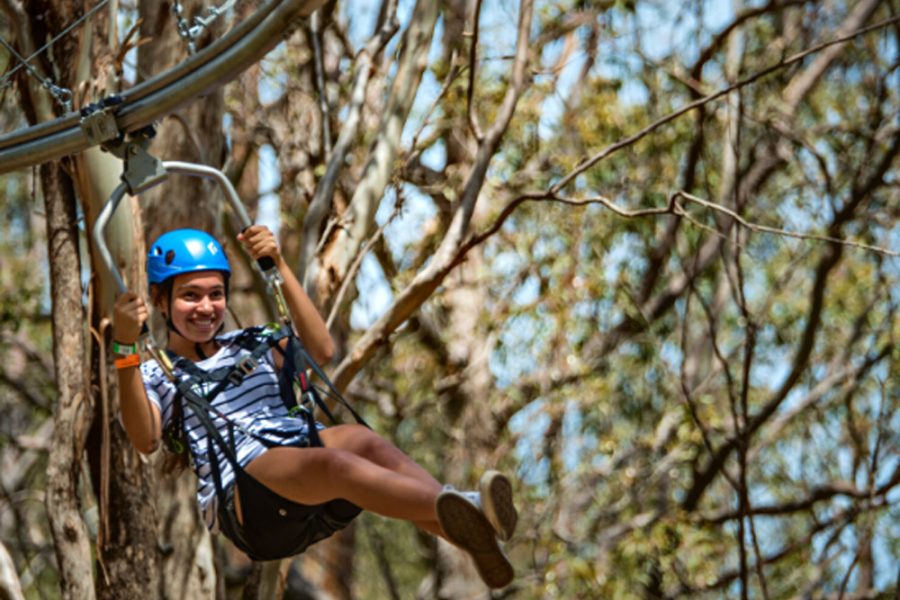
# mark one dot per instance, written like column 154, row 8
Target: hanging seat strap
column 309, row 523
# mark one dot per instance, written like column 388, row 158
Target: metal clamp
column 100, row 127
column 142, row 169
column 98, row 120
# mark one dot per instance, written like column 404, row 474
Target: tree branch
column 451, row 248
column 818, row 494
column 840, row 519
column 782, row 232
column 320, row 206
column 473, row 62
column 632, row 139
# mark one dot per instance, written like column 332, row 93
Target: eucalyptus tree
column 643, row 254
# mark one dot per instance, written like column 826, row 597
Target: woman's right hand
column 129, row 315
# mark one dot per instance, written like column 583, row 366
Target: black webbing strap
column 233, row 374
column 190, row 388
column 297, row 359
column 296, row 362
column 201, row 408
column 228, row 449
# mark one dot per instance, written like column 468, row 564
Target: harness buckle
column 243, row 367
column 307, row 400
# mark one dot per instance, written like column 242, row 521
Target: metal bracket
column 100, row 127
column 142, row 169
column 98, row 120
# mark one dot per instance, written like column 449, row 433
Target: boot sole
column 466, row 526
column 497, row 502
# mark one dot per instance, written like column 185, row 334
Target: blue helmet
column 184, row 251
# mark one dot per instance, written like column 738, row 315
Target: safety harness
column 273, row 527
column 294, row 526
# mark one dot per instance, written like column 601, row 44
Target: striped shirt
column 255, row 404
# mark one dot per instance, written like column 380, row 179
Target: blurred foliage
column 617, row 348
column 27, row 388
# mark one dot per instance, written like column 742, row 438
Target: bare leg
column 357, row 465
column 364, row 442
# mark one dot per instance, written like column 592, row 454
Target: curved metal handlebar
column 146, row 340
column 266, row 264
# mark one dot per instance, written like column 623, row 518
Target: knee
column 379, row 450
column 368, row 444
column 333, row 460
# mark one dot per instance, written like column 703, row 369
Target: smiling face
column 198, row 305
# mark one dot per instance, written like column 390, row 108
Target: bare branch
column 782, row 232
column 847, row 376
column 320, row 206
column 839, row 520
column 741, row 18
column 632, row 139
column 672, row 208
column 800, row 86
column 818, row 494
column 316, row 34
column 448, row 81
column 473, row 61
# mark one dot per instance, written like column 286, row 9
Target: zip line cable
column 63, row 96
column 247, row 42
column 60, row 94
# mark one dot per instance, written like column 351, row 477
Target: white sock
column 472, row 496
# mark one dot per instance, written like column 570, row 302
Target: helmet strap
column 167, row 314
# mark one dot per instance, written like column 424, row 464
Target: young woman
column 274, row 473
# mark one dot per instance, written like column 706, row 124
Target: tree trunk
column 123, row 480
column 72, row 413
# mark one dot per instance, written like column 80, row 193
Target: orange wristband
column 132, row 360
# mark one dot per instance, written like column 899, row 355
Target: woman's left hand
column 259, row 242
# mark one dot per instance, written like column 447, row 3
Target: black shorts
column 275, row 527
